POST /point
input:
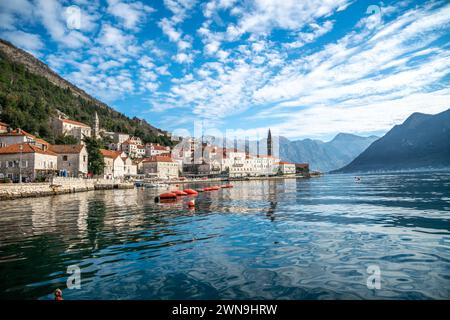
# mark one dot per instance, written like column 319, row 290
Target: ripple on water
column 281, row 239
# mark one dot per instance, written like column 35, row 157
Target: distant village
column 27, row 158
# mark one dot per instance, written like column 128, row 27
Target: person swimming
column 58, row 295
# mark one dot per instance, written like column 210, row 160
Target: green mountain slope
column 30, row 94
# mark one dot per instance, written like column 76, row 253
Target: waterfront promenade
column 58, row 185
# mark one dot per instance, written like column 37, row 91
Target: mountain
column 422, row 141
column 324, row 156
column 31, row 93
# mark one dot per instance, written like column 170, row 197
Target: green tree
column 96, row 162
column 62, row 139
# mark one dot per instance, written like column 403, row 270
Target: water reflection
column 283, row 239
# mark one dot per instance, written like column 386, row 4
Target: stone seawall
column 59, row 185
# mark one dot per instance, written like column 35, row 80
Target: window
column 64, row 158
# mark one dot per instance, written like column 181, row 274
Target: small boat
column 180, row 193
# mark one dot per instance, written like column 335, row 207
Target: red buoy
column 191, row 203
column 167, row 195
column 191, row 192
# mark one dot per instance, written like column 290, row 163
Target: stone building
column 130, row 168
column 26, row 161
column 154, row 149
column 286, row 167
column 162, row 167
column 302, row 168
column 72, row 159
column 3, row 127
column 72, row 128
column 133, row 147
column 21, row 136
column 114, row 165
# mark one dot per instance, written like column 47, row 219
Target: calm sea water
column 283, row 239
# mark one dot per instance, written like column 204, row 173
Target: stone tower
column 269, row 143
column 96, row 126
column 247, row 147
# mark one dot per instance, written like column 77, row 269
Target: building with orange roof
column 114, row 165
column 3, row 127
column 130, row 168
column 286, row 167
column 72, row 159
column 161, row 167
column 133, row 147
column 153, row 149
column 21, row 136
column 26, row 162
column 78, row 130
column 302, row 168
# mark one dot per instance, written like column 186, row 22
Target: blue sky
column 303, row 68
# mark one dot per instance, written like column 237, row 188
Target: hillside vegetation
column 28, row 100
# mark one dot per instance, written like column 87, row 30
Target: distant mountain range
column 324, row 156
column 421, row 142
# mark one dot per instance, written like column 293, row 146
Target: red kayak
column 180, row 193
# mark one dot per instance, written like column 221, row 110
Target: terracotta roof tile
column 26, row 148
column 158, row 159
column 110, row 153
column 75, row 123
column 66, row 148
column 20, row 132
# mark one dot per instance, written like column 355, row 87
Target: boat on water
column 155, row 185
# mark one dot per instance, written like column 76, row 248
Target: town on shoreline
column 123, row 160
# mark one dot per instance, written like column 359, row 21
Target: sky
column 306, row 69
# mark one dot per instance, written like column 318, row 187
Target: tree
column 62, row 139
column 96, row 162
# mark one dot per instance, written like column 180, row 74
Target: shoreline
column 239, row 179
column 60, row 186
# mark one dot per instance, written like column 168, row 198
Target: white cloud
column 11, row 12
column 131, row 14
column 183, row 58
column 115, row 38
column 308, row 37
column 51, row 15
column 371, row 67
column 27, row 41
column 263, row 16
